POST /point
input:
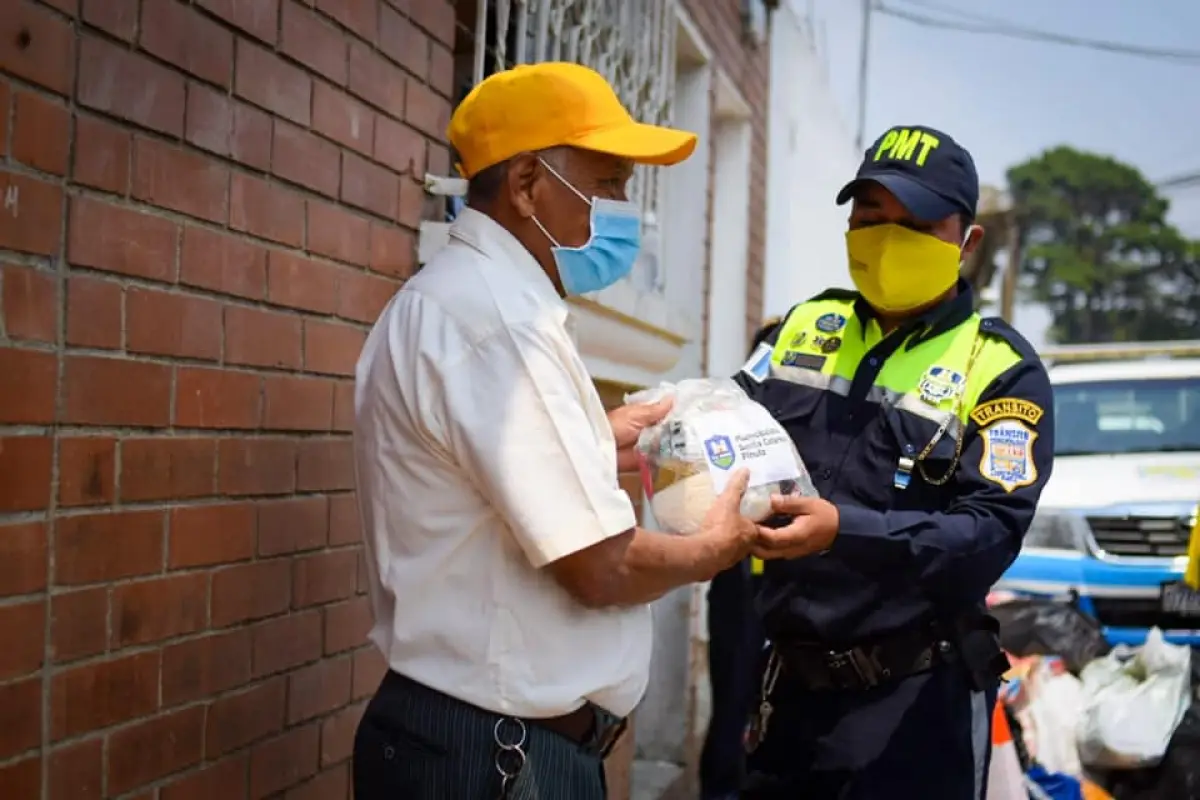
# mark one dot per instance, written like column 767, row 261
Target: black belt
column 819, row 667
column 588, row 726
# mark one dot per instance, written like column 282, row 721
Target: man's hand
column 730, row 533
column 628, row 422
column 812, row 529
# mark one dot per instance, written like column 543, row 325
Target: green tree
column 1099, row 252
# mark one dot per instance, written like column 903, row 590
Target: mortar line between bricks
column 86, row 430
column 55, row 432
column 205, row 500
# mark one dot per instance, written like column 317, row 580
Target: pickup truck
column 1115, row 518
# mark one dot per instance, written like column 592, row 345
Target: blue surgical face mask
column 610, row 251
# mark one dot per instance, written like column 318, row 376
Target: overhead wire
column 981, row 24
column 1186, row 181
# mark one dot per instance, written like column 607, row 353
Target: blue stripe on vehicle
column 1084, row 571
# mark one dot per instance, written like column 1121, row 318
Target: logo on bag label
column 720, row 451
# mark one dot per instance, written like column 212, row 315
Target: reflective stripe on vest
column 925, row 381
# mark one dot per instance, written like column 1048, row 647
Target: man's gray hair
column 485, row 185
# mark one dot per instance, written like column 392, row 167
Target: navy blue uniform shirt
column 902, row 557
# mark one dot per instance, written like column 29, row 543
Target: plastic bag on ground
column 1053, row 705
column 712, row 430
column 1036, row 626
column 1177, row 777
column 1133, row 702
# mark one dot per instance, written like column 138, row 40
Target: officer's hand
column 627, row 423
column 731, row 534
column 812, row 529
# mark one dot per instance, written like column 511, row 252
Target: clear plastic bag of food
column 712, row 430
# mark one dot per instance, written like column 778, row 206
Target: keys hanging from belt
column 510, row 753
column 757, row 730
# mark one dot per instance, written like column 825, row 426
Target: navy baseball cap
column 927, row 171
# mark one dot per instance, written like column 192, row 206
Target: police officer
column 929, row 435
column 735, row 647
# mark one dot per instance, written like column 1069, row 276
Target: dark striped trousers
column 414, row 743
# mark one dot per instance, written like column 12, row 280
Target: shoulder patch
column 758, row 366
column 1007, row 408
column 1007, row 458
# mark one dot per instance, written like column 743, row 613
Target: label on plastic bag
column 734, row 439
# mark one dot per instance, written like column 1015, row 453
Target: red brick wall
column 749, row 67
column 203, row 205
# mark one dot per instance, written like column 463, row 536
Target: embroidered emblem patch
column 1008, row 454
column 830, row 323
column 831, row 344
column 940, row 383
column 758, row 366
column 1007, row 408
column 798, row 339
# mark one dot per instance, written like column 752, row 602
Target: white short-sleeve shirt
column 483, row 453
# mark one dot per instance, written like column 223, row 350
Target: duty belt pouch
column 980, row 651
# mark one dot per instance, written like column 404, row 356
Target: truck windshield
column 1128, row 416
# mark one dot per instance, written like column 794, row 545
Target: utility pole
column 865, row 49
column 1012, row 271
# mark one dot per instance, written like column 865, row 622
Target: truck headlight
column 1058, row 530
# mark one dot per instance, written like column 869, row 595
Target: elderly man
column 929, row 433
column 508, row 578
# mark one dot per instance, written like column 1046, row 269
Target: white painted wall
column 811, row 155
column 685, row 213
column 730, row 243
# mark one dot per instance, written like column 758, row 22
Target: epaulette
column 999, row 328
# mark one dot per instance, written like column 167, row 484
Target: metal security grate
column 1163, row 537
column 630, row 42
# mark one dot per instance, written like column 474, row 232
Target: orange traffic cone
column 1006, row 781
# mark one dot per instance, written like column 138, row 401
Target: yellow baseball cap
column 552, row 104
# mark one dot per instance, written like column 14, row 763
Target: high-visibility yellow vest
column 916, row 380
column 939, row 379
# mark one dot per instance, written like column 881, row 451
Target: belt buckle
column 864, row 666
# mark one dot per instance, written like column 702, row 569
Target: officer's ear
column 972, row 238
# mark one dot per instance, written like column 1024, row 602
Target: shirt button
column 826, row 473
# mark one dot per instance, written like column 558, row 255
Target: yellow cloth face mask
column 898, row 269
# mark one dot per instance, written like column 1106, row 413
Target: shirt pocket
column 796, row 408
column 926, row 472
